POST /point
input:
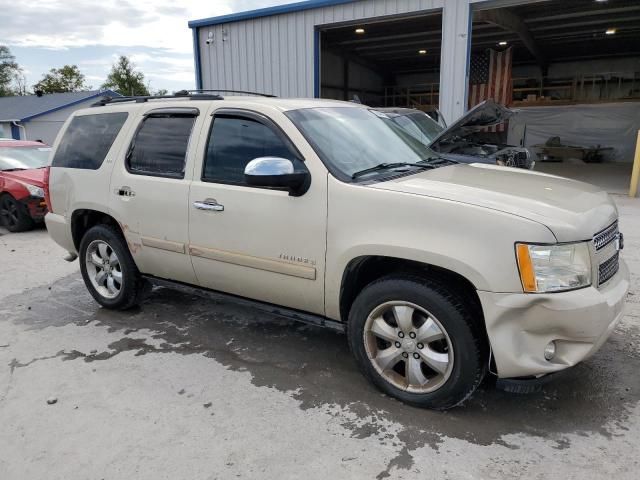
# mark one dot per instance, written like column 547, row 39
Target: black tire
column 469, row 345
column 14, row 216
column 133, row 286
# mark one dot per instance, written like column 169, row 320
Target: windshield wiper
column 385, row 166
column 12, row 169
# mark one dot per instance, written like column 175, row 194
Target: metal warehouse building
column 571, row 66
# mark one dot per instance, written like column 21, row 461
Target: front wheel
column 417, row 342
column 108, row 270
column 13, row 215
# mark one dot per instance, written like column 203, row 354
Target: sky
column 45, row 34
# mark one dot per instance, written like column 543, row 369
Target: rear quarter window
column 87, row 140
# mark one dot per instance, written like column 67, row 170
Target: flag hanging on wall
column 490, row 77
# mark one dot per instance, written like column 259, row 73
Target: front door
column 150, row 192
column 256, row 242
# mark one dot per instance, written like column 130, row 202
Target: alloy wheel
column 104, row 269
column 408, row 347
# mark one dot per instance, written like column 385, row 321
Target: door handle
column 209, row 204
column 125, row 192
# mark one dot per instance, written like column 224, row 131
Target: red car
column 24, row 176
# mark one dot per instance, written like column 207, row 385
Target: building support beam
column 454, row 58
column 511, row 22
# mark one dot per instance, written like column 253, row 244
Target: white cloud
column 149, row 23
column 153, row 33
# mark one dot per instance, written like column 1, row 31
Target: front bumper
column 521, row 325
column 36, row 207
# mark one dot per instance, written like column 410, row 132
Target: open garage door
column 383, row 62
column 572, row 68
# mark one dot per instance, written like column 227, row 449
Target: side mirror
column 275, row 172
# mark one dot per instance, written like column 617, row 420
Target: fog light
column 550, row 351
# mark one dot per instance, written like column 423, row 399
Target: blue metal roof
column 266, row 12
column 24, row 108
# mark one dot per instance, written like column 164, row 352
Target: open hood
column 485, row 114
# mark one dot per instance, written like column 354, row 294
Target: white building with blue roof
column 40, row 117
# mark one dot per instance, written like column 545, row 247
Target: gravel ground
column 189, row 388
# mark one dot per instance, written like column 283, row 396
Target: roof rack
column 197, row 94
column 144, row 98
column 243, row 92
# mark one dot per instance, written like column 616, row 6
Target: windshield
column 419, row 125
column 350, row 140
column 23, row 158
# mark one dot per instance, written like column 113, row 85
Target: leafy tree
column 59, row 80
column 124, row 78
column 161, row 91
column 9, row 71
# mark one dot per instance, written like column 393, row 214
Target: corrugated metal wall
column 276, row 54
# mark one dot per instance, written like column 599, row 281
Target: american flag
column 490, row 77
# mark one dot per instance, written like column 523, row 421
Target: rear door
column 257, row 242
column 150, row 191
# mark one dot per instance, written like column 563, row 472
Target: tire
column 14, row 216
column 407, row 360
column 120, row 285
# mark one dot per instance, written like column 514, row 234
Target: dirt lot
column 188, row 388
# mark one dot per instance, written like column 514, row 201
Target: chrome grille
column 608, row 268
column 606, row 236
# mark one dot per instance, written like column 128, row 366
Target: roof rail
column 244, row 92
column 143, row 98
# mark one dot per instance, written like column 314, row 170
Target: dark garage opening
column 392, row 62
column 572, row 68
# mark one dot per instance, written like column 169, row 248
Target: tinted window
column 234, row 142
column 87, row 140
column 160, row 146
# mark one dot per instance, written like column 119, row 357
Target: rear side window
column 160, row 146
column 234, row 142
column 87, row 140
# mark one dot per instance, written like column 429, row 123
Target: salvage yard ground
column 189, row 388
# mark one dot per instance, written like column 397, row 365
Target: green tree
column 125, row 80
column 161, row 91
column 59, row 80
column 9, row 71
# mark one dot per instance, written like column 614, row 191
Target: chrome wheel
column 408, row 347
column 103, row 269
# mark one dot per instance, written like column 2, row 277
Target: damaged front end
column 466, row 140
column 466, row 150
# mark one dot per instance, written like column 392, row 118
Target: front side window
column 87, row 140
column 160, row 146
column 350, row 139
column 234, row 141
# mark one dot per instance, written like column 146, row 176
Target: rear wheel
column 13, row 215
column 417, row 342
column 108, row 269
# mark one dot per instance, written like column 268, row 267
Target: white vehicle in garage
column 323, row 211
column 462, row 142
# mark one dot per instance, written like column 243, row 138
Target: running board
column 289, row 313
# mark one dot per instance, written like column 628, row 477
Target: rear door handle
column 125, row 192
column 208, row 204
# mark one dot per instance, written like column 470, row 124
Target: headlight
column 554, row 268
column 34, row 191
